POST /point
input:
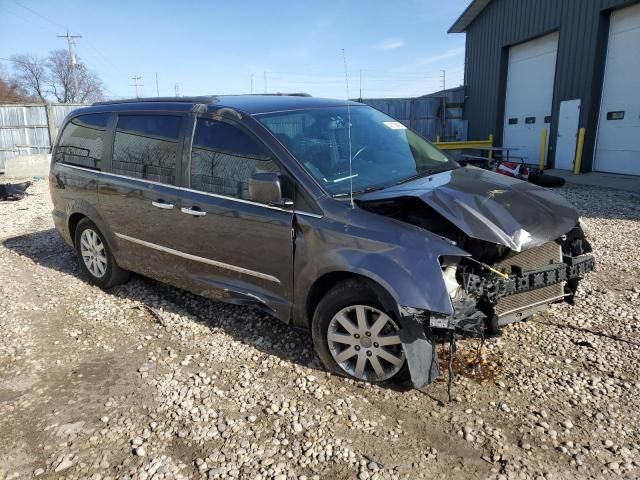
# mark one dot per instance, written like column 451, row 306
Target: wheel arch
column 326, row 282
column 77, row 210
column 74, row 219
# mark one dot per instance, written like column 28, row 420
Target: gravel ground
column 147, row 381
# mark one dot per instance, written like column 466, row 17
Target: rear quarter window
column 82, row 141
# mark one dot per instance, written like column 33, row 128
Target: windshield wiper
column 358, row 192
column 426, row 173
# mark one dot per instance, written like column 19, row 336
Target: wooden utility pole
column 136, row 84
column 72, row 61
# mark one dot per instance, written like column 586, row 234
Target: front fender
column 411, row 279
column 407, row 268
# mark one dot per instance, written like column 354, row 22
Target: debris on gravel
column 147, row 381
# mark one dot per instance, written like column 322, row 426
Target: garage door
column 618, row 147
column 530, row 79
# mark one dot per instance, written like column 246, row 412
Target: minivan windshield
column 383, row 151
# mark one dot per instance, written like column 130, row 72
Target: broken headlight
column 583, row 227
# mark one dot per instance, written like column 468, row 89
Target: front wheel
column 356, row 337
column 95, row 256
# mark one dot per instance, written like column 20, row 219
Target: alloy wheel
column 93, row 253
column 365, row 343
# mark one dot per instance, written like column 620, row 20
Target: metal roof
column 250, row 104
column 469, row 15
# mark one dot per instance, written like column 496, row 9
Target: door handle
column 191, row 211
column 163, row 205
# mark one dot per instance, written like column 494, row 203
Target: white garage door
column 618, row 147
column 530, row 79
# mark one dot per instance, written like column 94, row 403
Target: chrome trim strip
column 185, row 189
column 308, row 214
column 196, row 258
column 109, row 174
column 240, row 200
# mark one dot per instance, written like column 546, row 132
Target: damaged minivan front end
column 524, row 246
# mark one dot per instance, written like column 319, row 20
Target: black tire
column 113, row 275
column 544, row 180
column 343, row 295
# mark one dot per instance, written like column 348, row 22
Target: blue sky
column 215, row 46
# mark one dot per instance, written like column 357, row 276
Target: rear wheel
column 95, row 256
column 356, row 337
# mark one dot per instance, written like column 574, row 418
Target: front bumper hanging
column 520, row 281
column 420, row 329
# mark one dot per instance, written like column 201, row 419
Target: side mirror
column 265, row 188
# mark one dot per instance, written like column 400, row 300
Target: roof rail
column 197, row 99
column 281, row 94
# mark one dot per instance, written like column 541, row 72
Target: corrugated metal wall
column 424, row 114
column 583, row 27
column 25, row 129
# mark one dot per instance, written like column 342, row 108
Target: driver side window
column 224, row 158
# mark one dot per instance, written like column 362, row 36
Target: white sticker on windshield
column 395, row 125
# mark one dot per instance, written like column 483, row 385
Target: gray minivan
column 330, row 216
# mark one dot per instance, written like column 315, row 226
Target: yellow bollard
column 491, row 142
column 543, row 148
column 578, row 162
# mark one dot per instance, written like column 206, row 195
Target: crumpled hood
column 489, row 206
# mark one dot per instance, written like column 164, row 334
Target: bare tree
column 90, row 87
column 60, row 80
column 11, row 91
column 31, row 74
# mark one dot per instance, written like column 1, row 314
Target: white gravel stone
column 225, row 391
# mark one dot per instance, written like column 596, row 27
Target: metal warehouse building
column 559, row 65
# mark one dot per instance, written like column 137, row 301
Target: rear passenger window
column 146, row 146
column 82, row 140
column 223, row 158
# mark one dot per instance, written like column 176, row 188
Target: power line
column 50, row 21
column 64, row 27
column 26, row 20
column 111, row 64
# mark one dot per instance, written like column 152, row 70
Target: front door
column 237, row 250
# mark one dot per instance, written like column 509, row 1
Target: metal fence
column 425, row 114
column 30, row 128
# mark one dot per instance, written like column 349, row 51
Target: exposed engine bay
column 496, row 284
column 521, row 247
